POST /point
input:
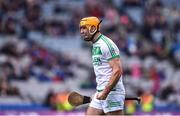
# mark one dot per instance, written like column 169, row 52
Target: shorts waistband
column 103, row 89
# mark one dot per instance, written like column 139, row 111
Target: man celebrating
column 110, row 94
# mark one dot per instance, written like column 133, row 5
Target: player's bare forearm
column 113, row 80
column 111, row 84
column 116, row 74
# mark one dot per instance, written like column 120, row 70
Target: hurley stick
column 76, row 99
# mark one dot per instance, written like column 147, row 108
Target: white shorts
column 113, row 102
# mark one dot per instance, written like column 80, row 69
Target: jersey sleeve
column 110, row 51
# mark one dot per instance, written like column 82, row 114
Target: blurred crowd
column 21, row 60
column 146, row 31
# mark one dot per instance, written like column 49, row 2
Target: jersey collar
column 98, row 38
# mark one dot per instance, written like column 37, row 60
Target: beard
column 86, row 38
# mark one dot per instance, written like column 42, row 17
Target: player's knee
column 93, row 111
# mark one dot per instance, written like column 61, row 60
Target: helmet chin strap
column 94, row 34
column 96, row 31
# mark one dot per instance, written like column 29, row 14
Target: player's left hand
column 101, row 95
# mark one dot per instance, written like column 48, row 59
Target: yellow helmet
column 90, row 21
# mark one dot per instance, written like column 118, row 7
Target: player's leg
column 118, row 112
column 95, row 107
column 94, row 111
column 114, row 103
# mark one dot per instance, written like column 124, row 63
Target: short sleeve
column 110, row 51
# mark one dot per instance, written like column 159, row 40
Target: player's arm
column 116, row 74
